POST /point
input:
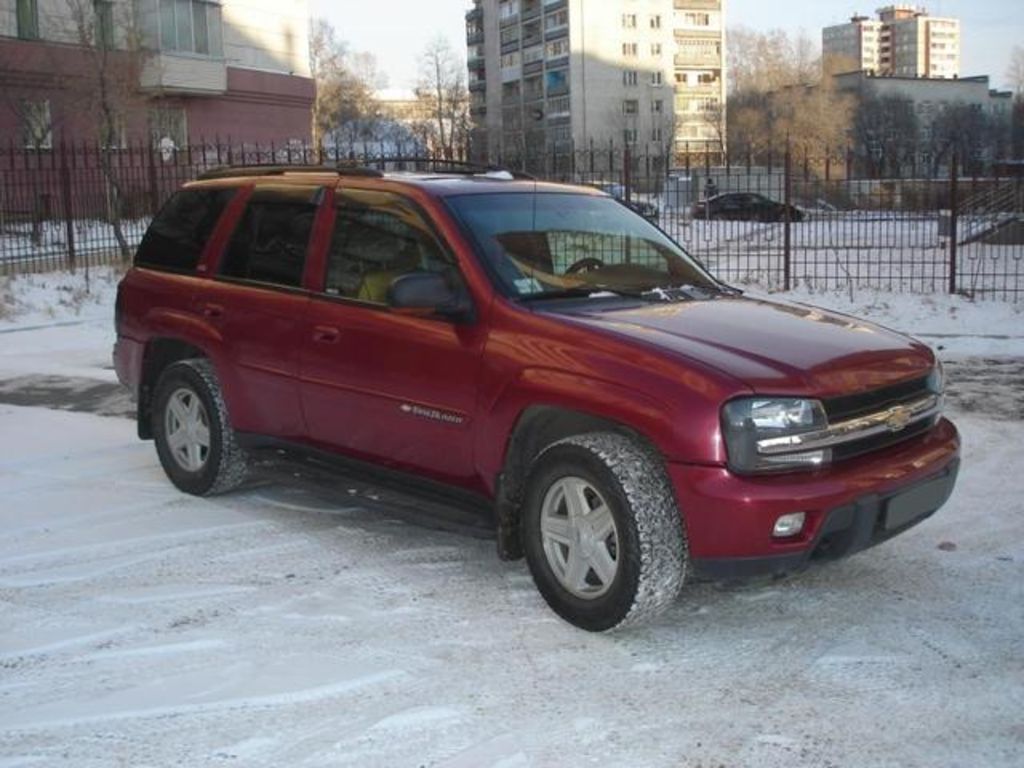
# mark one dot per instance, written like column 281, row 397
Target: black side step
column 344, row 481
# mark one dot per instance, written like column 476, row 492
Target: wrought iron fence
column 784, row 223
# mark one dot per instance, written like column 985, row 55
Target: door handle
column 213, row 311
column 325, row 334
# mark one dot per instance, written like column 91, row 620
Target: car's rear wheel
column 194, row 439
column 603, row 536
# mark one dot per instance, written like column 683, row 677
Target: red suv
column 629, row 418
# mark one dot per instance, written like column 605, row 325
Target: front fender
column 533, row 387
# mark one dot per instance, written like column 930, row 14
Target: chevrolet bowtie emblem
column 898, row 419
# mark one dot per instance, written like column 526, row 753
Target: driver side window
column 377, row 238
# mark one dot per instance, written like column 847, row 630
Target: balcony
column 556, row 32
column 474, row 36
column 477, row 85
column 698, row 5
column 184, row 74
column 475, row 14
column 701, row 89
column 531, row 10
column 698, row 59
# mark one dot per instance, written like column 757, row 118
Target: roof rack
column 440, row 165
column 233, row 171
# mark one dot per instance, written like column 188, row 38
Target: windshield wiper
column 582, row 292
column 685, row 291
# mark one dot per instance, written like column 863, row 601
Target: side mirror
column 427, row 293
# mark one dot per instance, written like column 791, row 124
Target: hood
column 774, row 347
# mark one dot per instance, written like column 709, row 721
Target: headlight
column 748, row 420
column 937, row 379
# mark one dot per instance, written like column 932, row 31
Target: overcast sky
column 395, row 31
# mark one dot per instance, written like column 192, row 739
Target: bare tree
column 345, row 110
column 1015, row 71
column 885, row 134
column 108, row 89
column 781, row 95
column 768, row 61
column 326, row 54
column 445, row 98
column 963, row 130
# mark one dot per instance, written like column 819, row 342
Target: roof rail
column 233, row 171
column 440, row 165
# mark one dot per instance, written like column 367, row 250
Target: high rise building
column 904, row 41
column 549, row 75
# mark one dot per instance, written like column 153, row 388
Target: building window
column 536, row 53
column 629, row 49
column 556, row 81
column 656, row 22
column 510, row 34
column 168, row 128
column 697, row 19
column 28, row 19
column 630, row 107
column 559, row 106
column 630, row 135
column 656, row 78
column 657, row 106
column 629, row 21
column 656, row 133
column 190, row 26
column 655, row 49
column 556, row 20
column 508, row 10
column 630, row 77
column 557, row 48
column 103, row 11
column 36, row 125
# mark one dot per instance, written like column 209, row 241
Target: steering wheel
column 586, row 264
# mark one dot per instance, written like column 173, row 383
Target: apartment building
column 904, row 41
column 550, row 75
column 195, row 69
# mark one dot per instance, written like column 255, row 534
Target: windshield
column 549, row 243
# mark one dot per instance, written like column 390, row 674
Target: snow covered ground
column 286, row 625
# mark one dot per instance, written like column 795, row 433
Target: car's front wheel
column 194, row 439
column 603, row 536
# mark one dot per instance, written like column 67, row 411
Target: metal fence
column 75, row 205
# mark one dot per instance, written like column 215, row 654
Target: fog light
column 789, row 525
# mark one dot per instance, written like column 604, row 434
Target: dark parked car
column 745, row 206
column 646, row 209
column 622, row 418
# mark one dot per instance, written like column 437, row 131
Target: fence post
column 954, row 204
column 787, row 179
column 154, row 195
column 627, row 172
column 65, row 193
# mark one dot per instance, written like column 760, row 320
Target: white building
column 904, row 41
column 554, row 74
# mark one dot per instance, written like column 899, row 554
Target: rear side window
column 379, row 237
column 177, row 235
column 269, row 245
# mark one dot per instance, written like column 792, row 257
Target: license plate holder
column 906, row 507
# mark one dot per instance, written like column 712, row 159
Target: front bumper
column 849, row 507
